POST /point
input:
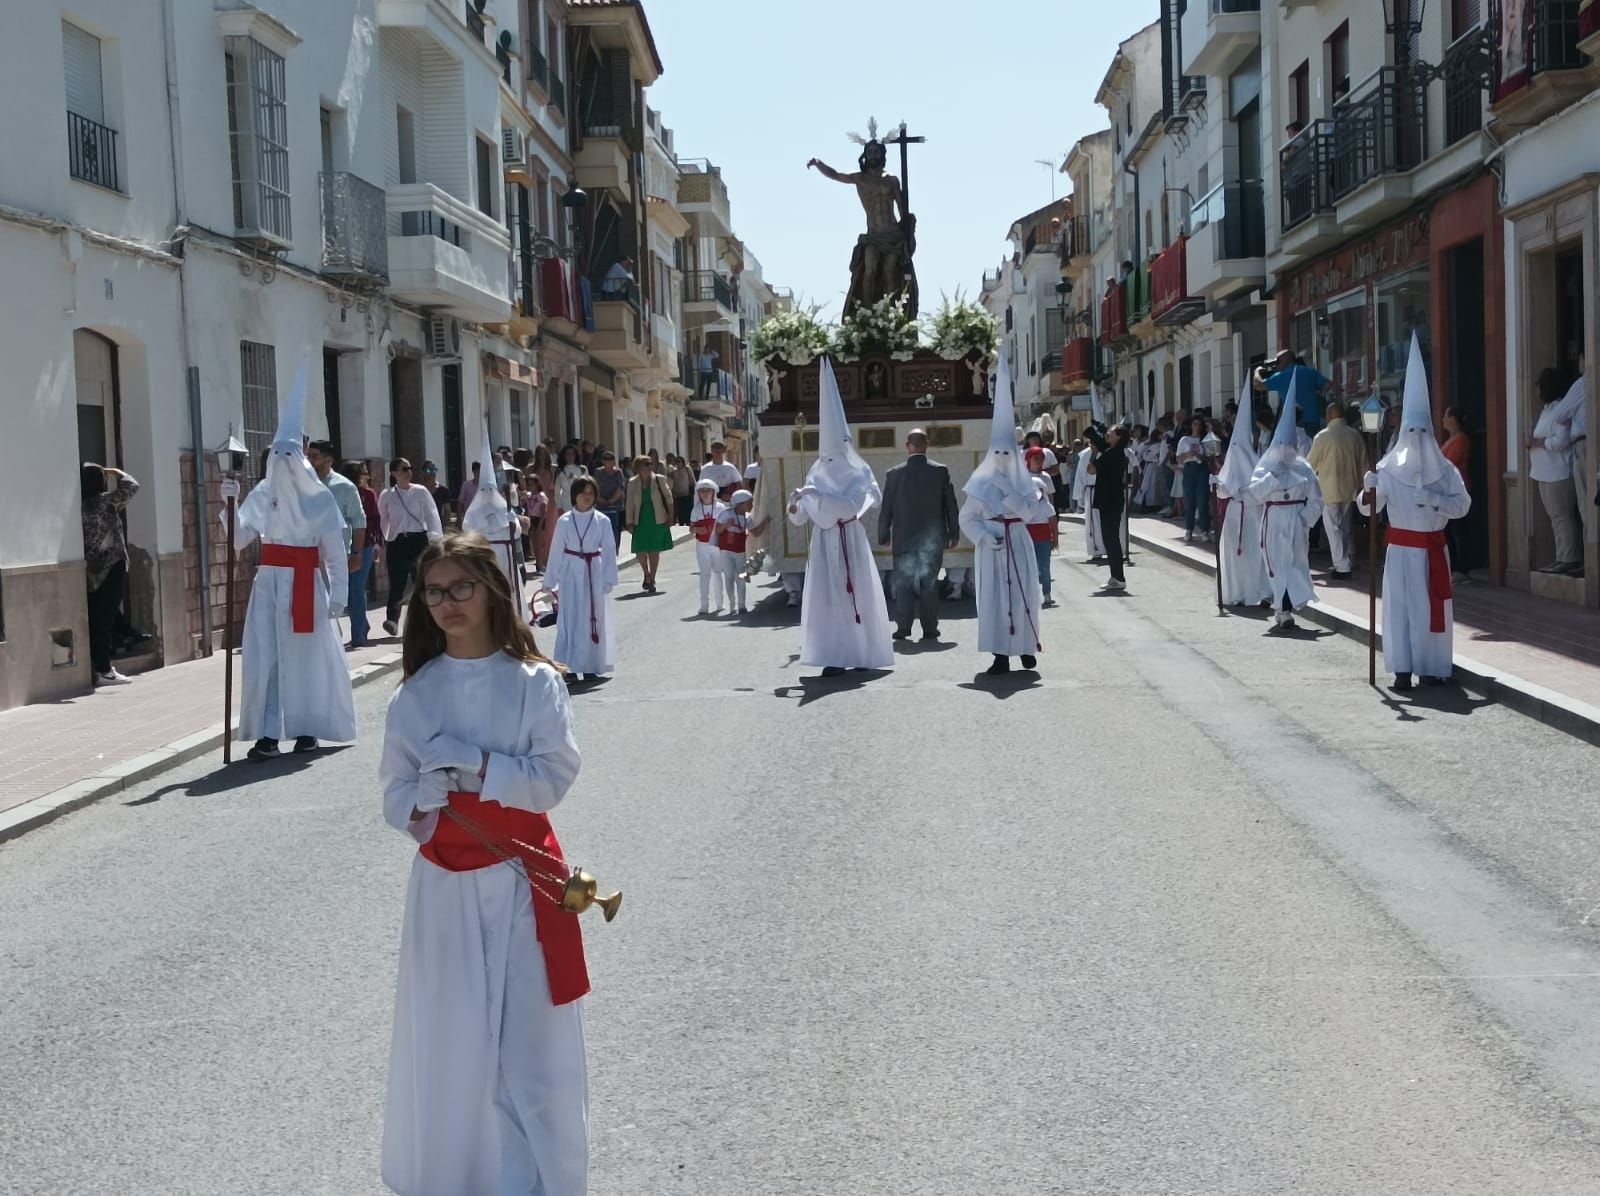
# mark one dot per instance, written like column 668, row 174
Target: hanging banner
column 1515, row 43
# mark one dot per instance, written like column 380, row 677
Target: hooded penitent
column 1001, row 481
column 487, row 514
column 291, row 505
column 1284, row 449
column 839, row 471
column 1240, row 461
column 1416, row 458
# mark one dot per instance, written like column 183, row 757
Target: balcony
column 1077, row 365
column 703, row 197
column 707, row 299
column 1379, row 135
column 1466, row 70
column 355, row 242
column 558, row 95
column 1218, row 35
column 622, row 329
column 1075, row 243
column 92, row 152
column 1305, row 183
column 1138, row 287
column 538, row 69
column 1544, row 69
column 561, row 299
column 446, row 254
column 1114, row 313
column 664, row 345
column 716, row 400
column 602, row 162
column 1228, row 245
column 1170, row 302
column 474, row 19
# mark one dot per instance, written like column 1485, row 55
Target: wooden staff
column 1372, row 588
column 1217, row 541
column 227, row 647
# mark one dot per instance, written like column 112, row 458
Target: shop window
column 1402, row 308
column 1343, row 324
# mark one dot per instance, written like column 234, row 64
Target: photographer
column 1110, row 468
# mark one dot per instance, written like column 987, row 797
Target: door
column 1468, row 392
column 330, row 398
column 405, row 408
column 94, row 360
column 454, row 456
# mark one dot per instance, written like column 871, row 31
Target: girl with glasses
column 487, row 1079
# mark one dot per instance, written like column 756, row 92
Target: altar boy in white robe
column 1285, row 487
column 1244, row 571
column 1000, row 500
column 1421, row 491
column 581, row 575
column 295, row 684
column 844, row 620
column 488, row 1090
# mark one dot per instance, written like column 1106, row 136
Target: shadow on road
column 1440, row 699
column 814, row 689
column 922, row 647
column 237, row 775
column 1005, row 685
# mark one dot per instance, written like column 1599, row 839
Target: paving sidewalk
column 57, row 756
column 1537, row 656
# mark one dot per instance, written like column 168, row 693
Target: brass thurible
column 582, row 891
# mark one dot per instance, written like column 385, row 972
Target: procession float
column 895, row 371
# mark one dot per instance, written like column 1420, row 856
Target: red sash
column 1039, row 533
column 456, row 849
column 1438, row 569
column 304, row 562
column 702, row 528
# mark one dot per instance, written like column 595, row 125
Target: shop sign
column 1392, row 251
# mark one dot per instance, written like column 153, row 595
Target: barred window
column 258, row 138
column 258, row 372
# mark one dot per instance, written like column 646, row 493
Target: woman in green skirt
column 648, row 518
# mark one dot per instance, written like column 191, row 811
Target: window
column 258, row 139
column 405, row 131
column 519, row 431
column 1300, row 95
column 1464, row 17
column 91, row 146
column 541, row 210
column 485, row 177
column 258, row 372
column 1338, row 52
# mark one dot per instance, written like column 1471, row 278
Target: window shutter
column 81, row 58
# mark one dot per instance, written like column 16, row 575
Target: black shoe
column 832, row 671
column 264, row 749
column 304, row 744
column 1001, row 666
column 1340, row 574
column 930, row 635
column 1095, row 560
column 902, row 633
column 1030, row 662
column 1402, row 682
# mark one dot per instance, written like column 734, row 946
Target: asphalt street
column 1191, row 911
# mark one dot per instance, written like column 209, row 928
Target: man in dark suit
column 918, row 521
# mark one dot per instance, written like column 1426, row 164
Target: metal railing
column 558, row 93
column 355, row 240
column 1383, row 130
column 538, row 67
column 1463, row 71
column 1555, row 36
column 1227, row 6
column 474, row 21
column 621, row 290
column 1236, row 213
column 92, row 151
column 1050, row 362
column 1304, row 173
column 1075, row 237
column 707, row 286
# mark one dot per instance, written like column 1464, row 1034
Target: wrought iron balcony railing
column 474, row 21
column 92, row 151
column 1235, row 212
column 355, row 239
column 538, row 67
column 1305, row 173
column 707, row 286
column 558, row 93
column 1382, row 130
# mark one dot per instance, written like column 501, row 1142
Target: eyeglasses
column 403, row 469
column 460, row 591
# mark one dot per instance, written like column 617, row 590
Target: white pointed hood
column 1001, row 479
column 290, row 505
column 1285, row 447
column 838, row 471
column 1240, row 461
column 1416, row 458
column 487, row 513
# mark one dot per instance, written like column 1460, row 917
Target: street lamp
column 1372, row 415
column 574, row 201
column 230, row 456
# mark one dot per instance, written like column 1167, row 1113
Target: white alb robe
column 1152, row 454
column 1290, row 503
column 1244, row 569
column 488, row 1089
column 295, row 683
column 839, row 628
column 585, row 640
column 1007, row 575
column 1408, row 644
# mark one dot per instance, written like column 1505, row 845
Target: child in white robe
column 731, row 541
column 488, row 1089
column 1244, row 572
column 582, row 574
column 1421, row 491
column 1285, row 488
column 703, row 518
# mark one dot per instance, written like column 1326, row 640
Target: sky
column 761, row 86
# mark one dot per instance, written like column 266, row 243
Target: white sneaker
column 112, row 678
column 1113, row 584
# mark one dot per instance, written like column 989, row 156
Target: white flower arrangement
column 796, row 337
column 960, row 328
column 881, row 327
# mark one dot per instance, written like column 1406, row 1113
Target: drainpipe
column 191, row 371
column 1131, row 171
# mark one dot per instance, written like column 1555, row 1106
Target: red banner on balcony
column 1514, row 48
column 1588, row 18
column 556, row 290
column 1114, row 313
column 1169, row 279
column 1077, row 360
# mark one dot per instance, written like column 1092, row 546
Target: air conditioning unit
column 513, row 146
column 444, row 337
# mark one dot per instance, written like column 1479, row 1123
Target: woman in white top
column 1191, row 459
column 410, row 520
column 568, row 470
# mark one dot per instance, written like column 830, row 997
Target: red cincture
column 304, row 562
column 1439, row 591
column 588, row 557
column 456, row 849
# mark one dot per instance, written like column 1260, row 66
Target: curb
column 1569, row 715
column 33, row 814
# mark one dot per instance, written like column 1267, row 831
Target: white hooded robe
column 585, row 640
column 1285, row 487
column 1244, row 570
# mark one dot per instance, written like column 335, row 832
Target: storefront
column 1437, row 271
